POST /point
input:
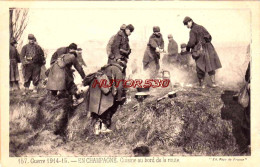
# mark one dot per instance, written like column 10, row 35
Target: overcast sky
column 54, row 28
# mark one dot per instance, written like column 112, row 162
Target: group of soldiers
column 103, row 103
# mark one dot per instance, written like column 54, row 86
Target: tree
column 18, row 22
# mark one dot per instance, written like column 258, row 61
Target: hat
column 123, row 26
column 73, row 46
column 186, row 20
column 79, row 49
column 156, row 29
column 31, row 36
column 183, row 45
column 13, row 41
column 130, row 27
column 170, row 36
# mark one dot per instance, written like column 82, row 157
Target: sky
column 54, row 28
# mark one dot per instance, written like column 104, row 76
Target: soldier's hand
column 157, row 49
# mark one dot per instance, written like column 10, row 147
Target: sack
column 109, row 45
column 243, row 97
column 60, row 62
column 198, row 51
column 88, row 79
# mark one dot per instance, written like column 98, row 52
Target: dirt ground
column 196, row 122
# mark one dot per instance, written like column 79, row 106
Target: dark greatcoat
column 14, row 60
column 210, row 61
column 96, row 101
column 60, row 78
column 151, row 58
column 120, row 47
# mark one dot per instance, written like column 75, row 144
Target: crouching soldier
column 185, row 58
column 60, row 77
column 103, row 103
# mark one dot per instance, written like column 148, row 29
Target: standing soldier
column 60, row 77
column 171, row 57
column 80, row 58
column 32, row 59
column 120, row 48
column 152, row 53
column 14, row 60
column 207, row 60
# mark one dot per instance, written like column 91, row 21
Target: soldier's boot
column 17, row 87
column 213, row 81
column 201, row 83
column 35, row 89
column 97, row 128
column 104, row 129
column 26, row 91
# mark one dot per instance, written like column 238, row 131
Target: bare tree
column 18, row 22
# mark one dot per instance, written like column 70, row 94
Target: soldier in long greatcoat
column 60, row 77
column 209, row 61
column 103, row 106
column 14, row 60
column 120, row 48
column 152, row 53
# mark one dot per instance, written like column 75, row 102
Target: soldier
column 171, row 57
column 102, row 106
column 80, row 58
column 32, row 57
column 120, row 47
column 60, row 76
column 151, row 57
column 200, row 41
column 14, row 60
column 184, row 57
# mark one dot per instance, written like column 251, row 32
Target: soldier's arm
column 23, row 53
column 41, row 54
column 54, row 57
column 79, row 68
column 152, row 43
column 206, row 34
column 118, row 75
column 17, row 56
column 192, row 41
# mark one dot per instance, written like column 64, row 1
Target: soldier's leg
column 106, row 117
column 212, row 78
column 36, row 76
column 201, row 76
column 17, row 85
column 27, row 70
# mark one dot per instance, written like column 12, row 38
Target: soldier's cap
column 13, row 41
column 183, row 45
column 156, row 29
column 170, row 36
column 186, row 20
column 79, row 49
column 73, row 46
column 130, row 27
column 123, row 26
column 31, row 36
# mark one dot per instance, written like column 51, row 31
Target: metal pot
column 140, row 96
column 172, row 94
column 146, row 89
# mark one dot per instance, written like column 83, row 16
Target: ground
column 196, row 122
